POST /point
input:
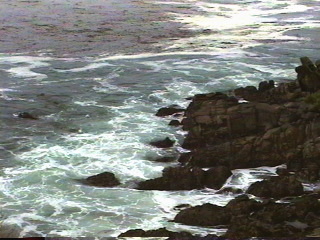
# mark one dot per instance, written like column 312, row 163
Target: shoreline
column 253, row 127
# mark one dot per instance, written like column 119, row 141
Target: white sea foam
column 29, row 64
column 89, row 67
column 41, row 194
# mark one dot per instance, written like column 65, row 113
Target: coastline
column 216, row 120
column 246, row 128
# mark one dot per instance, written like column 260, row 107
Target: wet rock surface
column 277, row 187
column 247, row 218
column 253, row 127
column 105, row 179
column 185, row 178
column 165, row 143
column 275, row 125
column 167, row 111
column 162, row 232
column 204, row 215
column 27, row 115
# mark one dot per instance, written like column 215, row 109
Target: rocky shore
column 271, row 125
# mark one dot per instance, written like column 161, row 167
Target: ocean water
column 97, row 113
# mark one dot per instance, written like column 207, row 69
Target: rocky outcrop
column 253, row 127
column 246, row 218
column 204, row 215
column 272, row 219
column 308, row 75
column 105, row 179
column 276, row 128
column 174, row 123
column 186, row 178
column 162, row 232
column 277, row 187
column 167, row 111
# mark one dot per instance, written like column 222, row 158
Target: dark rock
column 167, row 111
column 162, row 232
column 185, row 157
column 276, row 219
column 105, row 179
column 174, row 123
column 264, row 86
column 309, row 173
column 186, row 178
column 246, row 227
column 243, row 205
column 27, row 115
column 176, row 178
column 182, row 206
column 165, row 159
column 230, row 190
column 277, row 187
column 204, row 215
column 249, row 93
column 283, row 172
column 166, row 143
column 308, row 75
column 216, row 177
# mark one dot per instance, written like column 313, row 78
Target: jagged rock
column 182, row 206
column 277, row 219
column 167, row 111
column 264, row 86
column 277, row 187
column 249, row 93
column 283, row 172
column 27, row 115
column 253, row 135
column 165, row 159
column 204, row 215
column 243, row 205
column 105, row 179
column 246, row 227
column 174, row 123
column 166, row 143
column 308, row 75
column 310, row 173
column 230, row 190
column 186, row 178
column 185, row 157
column 176, row 178
column 162, row 232
column 216, row 177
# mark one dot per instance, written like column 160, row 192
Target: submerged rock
column 277, row 187
column 27, row 115
column 105, row 179
column 174, row 123
column 166, row 143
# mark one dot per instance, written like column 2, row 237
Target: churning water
column 96, row 114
